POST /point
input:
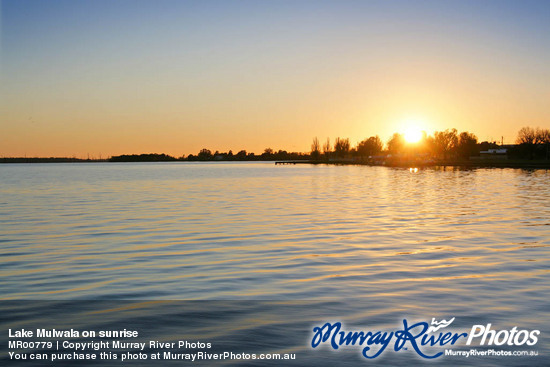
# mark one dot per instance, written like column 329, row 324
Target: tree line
column 442, row 145
column 207, row 155
column 447, row 145
column 533, row 143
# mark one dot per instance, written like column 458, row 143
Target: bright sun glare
column 413, row 134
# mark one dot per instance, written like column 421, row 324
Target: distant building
column 499, row 153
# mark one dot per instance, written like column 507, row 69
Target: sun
column 413, row 129
column 412, row 134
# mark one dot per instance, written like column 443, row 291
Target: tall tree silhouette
column 370, row 146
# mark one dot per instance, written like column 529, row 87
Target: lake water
column 368, row 246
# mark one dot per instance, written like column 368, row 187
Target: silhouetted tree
column 467, row 145
column 281, row 154
column 369, row 147
column 445, row 142
column 267, row 154
column 241, row 155
column 526, row 135
column 315, row 150
column 341, row 147
column 327, row 149
column 526, row 139
column 425, row 146
column 204, row 155
column 396, row 144
column 543, row 139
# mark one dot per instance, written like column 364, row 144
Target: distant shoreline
column 481, row 163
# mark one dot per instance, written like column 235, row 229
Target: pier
column 292, row 162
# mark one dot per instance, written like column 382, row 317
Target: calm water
column 363, row 243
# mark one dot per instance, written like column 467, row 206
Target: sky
column 95, row 78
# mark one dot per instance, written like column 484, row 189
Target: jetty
column 293, row 162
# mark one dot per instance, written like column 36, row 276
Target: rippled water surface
column 397, row 242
